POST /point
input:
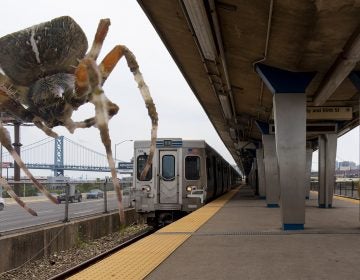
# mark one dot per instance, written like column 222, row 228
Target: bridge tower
column 59, row 156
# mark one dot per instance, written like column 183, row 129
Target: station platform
column 238, row 237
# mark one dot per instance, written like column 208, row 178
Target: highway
column 14, row 217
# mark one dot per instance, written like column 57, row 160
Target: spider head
column 48, row 97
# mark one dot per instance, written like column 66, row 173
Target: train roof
column 172, row 143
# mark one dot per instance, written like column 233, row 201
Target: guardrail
column 77, row 199
column 345, row 188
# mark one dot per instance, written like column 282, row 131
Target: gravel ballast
column 58, row 262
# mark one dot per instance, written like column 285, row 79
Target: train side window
column 168, row 167
column 140, row 162
column 192, row 168
column 208, row 168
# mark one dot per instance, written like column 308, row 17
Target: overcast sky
column 180, row 115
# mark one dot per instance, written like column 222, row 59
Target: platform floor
column 243, row 239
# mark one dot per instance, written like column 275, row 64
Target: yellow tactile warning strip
column 142, row 257
column 135, row 261
column 352, row 200
column 347, row 199
column 195, row 220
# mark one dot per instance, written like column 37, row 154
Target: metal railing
column 76, row 199
column 348, row 188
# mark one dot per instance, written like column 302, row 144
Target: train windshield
column 168, row 167
column 192, row 168
column 141, row 161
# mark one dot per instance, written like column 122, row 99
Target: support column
column 261, row 173
column 289, row 103
column 254, row 176
column 309, row 152
column 17, row 146
column 290, row 133
column 271, row 171
column 327, row 157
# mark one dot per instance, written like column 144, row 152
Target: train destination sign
column 125, row 165
column 329, row 113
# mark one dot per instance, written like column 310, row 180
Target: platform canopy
column 223, row 47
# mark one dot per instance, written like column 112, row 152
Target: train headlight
column 189, row 188
column 146, row 188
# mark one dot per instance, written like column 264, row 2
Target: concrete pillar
column 261, row 173
column 17, row 146
column 309, row 153
column 290, row 134
column 327, row 157
column 252, row 176
column 289, row 103
column 272, row 191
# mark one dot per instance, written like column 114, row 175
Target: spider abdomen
column 41, row 50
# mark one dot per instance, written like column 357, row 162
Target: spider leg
column 12, row 106
column 112, row 109
column 6, row 142
column 90, row 76
column 106, row 67
column 40, row 124
column 100, row 35
column 83, row 88
column 11, row 192
column 82, row 83
column 109, row 62
column 149, row 103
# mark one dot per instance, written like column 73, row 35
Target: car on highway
column 2, row 203
column 95, row 193
column 75, row 195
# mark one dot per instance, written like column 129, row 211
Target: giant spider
column 47, row 74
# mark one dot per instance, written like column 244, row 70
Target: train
column 185, row 175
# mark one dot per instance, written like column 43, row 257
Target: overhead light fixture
column 200, row 23
column 225, row 104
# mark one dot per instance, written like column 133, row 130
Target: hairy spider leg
column 149, row 103
column 100, row 35
column 6, row 142
column 38, row 122
column 11, row 192
column 82, row 82
column 8, row 103
column 12, row 106
column 90, row 73
column 106, row 67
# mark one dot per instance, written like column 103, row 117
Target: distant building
column 346, row 165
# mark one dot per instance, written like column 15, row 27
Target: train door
column 168, row 179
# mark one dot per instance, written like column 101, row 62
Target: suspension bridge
column 64, row 154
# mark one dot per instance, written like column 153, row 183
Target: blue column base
column 293, row 226
column 323, row 206
column 262, row 197
column 274, row 205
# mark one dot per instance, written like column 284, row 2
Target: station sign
column 329, row 113
column 6, row 164
column 125, row 165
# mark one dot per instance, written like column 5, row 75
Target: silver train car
column 185, row 175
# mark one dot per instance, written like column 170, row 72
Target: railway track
column 72, row 271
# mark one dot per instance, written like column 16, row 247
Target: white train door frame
column 168, row 185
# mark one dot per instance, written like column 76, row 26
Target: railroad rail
column 132, row 239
